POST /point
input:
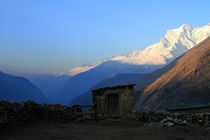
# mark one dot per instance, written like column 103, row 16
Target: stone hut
column 188, row 108
column 114, row 102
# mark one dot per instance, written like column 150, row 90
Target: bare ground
column 69, row 130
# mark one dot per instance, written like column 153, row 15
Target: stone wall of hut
column 127, row 105
column 126, row 102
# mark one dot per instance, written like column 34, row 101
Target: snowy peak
column 172, row 45
column 172, row 36
column 80, row 69
column 186, row 27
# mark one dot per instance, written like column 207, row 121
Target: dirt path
column 42, row 130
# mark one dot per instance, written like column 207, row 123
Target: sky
column 46, row 36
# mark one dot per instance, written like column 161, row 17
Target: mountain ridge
column 187, row 82
column 119, row 79
column 154, row 57
column 174, row 43
column 16, row 88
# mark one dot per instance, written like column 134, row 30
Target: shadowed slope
column 82, row 82
column 15, row 88
column 119, row 79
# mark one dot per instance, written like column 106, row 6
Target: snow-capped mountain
column 173, row 44
column 154, row 57
column 79, row 69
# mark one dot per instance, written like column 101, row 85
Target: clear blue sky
column 44, row 36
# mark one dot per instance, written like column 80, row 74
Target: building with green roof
column 188, row 108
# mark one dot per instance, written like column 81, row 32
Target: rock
column 169, row 124
column 147, row 124
column 184, row 122
column 164, row 120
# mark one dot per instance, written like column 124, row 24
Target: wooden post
column 84, row 113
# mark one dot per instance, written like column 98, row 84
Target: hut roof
column 115, row 87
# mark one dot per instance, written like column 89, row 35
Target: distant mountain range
column 119, row 79
column 82, row 82
column 141, row 66
column 18, row 89
column 186, row 80
column 48, row 84
column 154, row 57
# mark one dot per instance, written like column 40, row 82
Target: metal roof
column 186, row 106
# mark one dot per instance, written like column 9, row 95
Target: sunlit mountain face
column 187, row 81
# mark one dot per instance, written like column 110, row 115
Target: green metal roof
column 186, row 106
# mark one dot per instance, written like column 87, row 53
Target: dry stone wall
column 14, row 113
column 199, row 119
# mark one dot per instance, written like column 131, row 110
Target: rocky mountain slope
column 188, row 81
column 15, row 88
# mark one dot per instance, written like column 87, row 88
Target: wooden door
column 113, row 104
